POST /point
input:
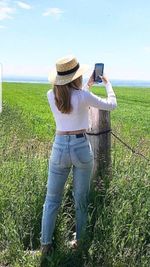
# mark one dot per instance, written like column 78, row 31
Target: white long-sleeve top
column 81, row 100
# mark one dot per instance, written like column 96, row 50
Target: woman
column 71, row 148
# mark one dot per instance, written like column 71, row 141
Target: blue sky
column 34, row 34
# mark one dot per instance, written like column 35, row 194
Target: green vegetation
column 119, row 225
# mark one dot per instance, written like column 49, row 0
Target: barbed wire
column 120, row 140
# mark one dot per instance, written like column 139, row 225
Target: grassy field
column 119, row 223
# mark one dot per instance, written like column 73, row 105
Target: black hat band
column 68, row 71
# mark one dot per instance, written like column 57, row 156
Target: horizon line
column 5, row 77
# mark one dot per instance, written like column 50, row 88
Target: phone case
column 99, row 68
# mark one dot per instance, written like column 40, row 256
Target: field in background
column 119, row 209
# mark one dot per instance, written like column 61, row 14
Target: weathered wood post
column 99, row 136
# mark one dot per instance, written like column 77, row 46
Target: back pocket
column 56, row 155
column 84, row 154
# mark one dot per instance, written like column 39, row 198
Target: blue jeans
column 67, row 151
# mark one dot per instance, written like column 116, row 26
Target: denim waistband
column 70, row 137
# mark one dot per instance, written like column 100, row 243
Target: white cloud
column 54, row 11
column 23, row 5
column 6, row 10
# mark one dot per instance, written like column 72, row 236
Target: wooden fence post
column 99, row 121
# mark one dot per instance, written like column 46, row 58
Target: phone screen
column 99, row 68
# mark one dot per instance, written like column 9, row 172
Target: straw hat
column 67, row 69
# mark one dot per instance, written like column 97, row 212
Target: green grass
column 118, row 232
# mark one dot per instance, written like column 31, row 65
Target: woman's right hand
column 105, row 80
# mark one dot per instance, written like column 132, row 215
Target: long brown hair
column 62, row 94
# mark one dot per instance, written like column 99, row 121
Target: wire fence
column 129, row 147
column 121, row 141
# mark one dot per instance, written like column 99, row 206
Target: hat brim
column 56, row 79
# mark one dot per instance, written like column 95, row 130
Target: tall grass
column 118, row 229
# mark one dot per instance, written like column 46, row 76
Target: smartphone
column 99, row 69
